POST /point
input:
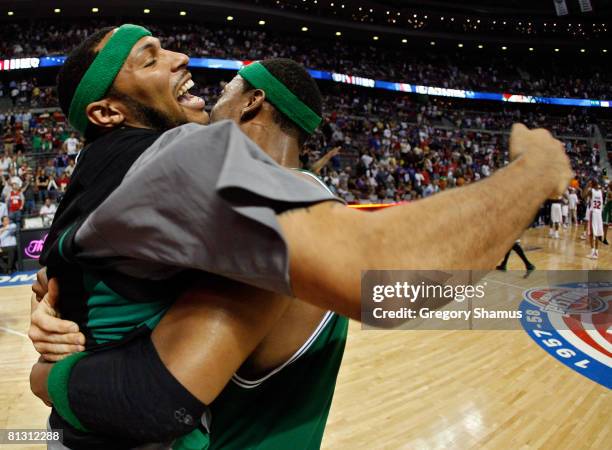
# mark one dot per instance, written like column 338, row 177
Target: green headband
column 102, row 72
column 281, row 97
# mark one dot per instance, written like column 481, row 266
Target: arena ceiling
column 322, row 18
column 602, row 9
column 541, row 8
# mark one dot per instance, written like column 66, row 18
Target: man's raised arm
column 246, row 218
column 467, row 228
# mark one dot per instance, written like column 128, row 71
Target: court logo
column 568, row 300
column 573, row 323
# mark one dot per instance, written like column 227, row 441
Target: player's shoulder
column 313, row 178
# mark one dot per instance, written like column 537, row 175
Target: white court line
column 516, row 286
column 9, row 331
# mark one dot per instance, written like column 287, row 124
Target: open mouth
column 186, row 100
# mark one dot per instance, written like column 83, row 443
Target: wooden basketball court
column 412, row 389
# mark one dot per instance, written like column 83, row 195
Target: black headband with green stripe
column 280, row 96
column 102, row 72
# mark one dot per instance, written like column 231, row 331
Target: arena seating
column 559, row 77
column 394, row 147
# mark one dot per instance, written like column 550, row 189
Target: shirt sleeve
column 202, row 198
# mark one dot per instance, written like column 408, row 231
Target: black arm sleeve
column 127, row 392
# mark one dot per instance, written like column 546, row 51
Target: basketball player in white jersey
column 596, row 227
column 586, row 193
column 565, row 209
column 555, row 218
column 573, row 207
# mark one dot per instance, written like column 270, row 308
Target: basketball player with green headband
column 243, row 217
column 325, row 332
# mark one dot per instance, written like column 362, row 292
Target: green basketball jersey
column 288, row 408
column 607, row 212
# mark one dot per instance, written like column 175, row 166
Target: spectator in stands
column 8, row 245
column 52, row 188
column 62, row 184
column 15, row 179
column 50, row 168
column 42, row 181
column 6, row 188
column 23, row 169
column 61, row 161
column 47, row 138
column 47, row 212
column 21, row 159
column 19, row 140
column 70, row 167
column 14, row 95
column 6, row 162
column 16, row 203
column 27, row 118
column 72, row 146
column 3, row 208
column 29, row 193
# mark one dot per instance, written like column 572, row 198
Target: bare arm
column 322, row 162
column 467, row 228
column 202, row 340
column 447, row 230
column 225, row 322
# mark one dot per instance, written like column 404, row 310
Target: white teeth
column 185, row 87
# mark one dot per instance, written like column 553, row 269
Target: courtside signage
column 230, row 64
column 18, row 279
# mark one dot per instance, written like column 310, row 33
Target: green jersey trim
column 61, row 242
column 251, row 384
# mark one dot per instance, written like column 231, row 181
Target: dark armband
column 125, row 392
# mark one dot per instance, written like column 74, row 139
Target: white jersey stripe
column 318, row 179
column 249, row 384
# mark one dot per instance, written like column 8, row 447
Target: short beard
column 146, row 115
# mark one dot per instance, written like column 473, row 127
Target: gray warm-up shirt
column 201, row 197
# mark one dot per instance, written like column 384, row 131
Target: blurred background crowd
column 393, row 147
